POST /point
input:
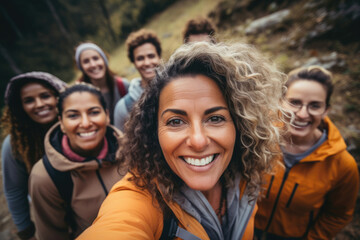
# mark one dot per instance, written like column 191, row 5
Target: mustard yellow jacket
column 130, row 213
column 315, row 199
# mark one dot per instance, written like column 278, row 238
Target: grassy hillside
column 169, row 26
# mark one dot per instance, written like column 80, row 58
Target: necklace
column 222, row 210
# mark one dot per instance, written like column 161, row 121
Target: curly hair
column 199, row 25
column 138, row 38
column 313, row 73
column 26, row 135
column 252, row 88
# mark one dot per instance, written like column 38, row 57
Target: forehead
column 199, row 38
column 191, row 91
column 88, row 53
column 307, row 89
column 81, row 100
column 31, row 87
column 144, row 49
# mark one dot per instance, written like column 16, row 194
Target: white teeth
column 87, row 134
column 149, row 70
column 199, row 162
column 43, row 112
column 301, row 124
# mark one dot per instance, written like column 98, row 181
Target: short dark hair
column 313, row 73
column 79, row 87
column 199, row 25
column 139, row 38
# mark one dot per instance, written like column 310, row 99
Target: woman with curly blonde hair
column 30, row 111
column 314, row 195
column 197, row 144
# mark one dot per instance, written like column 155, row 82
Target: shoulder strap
column 120, row 85
column 64, row 185
column 171, row 230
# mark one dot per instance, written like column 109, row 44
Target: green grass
column 169, row 26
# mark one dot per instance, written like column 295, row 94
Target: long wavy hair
column 27, row 136
column 252, row 88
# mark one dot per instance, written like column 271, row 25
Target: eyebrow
column 181, row 112
column 75, row 110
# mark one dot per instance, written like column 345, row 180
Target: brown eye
column 174, row 122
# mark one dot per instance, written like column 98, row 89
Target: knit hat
column 86, row 46
column 15, row 84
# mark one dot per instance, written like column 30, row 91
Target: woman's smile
column 195, row 130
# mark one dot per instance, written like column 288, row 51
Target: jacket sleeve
column 49, row 211
column 340, row 202
column 15, row 181
column 120, row 114
column 126, row 214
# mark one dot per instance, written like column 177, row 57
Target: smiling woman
column 83, row 146
column 197, row 143
column 30, row 111
column 314, row 196
column 94, row 64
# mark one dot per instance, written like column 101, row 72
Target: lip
column 87, row 134
column 301, row 124
column 43, row 112
column 199, row 162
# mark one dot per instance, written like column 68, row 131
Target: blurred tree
column 41, row 35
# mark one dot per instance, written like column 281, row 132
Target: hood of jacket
column 18, row 81
column 54, row 153
column 333, row 145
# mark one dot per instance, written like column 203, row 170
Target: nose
column 85, row 121
column 198, row 139
column 92, row 63
column 147, row 61
column 39, row 102
column 303, row 112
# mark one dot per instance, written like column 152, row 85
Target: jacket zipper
column 310, row 223
column 277, row 198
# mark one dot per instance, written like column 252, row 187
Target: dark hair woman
column 94, row 64
column 29, row 112
column 79, row 150
column 314, row 196
column 197, row 144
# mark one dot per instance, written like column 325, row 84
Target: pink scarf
column 71, row 155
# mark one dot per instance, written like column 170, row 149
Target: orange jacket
column 315, row 199
column 130, row 213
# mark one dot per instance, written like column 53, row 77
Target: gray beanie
column 86, row 46
column 15, row 84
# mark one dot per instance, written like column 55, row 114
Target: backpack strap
column 120, row 85
column 171, row 229
column 64, row 185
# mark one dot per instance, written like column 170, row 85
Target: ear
column 325, row 113
column 61, row 125
column 107, row 117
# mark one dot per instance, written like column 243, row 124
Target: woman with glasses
column 312, row 194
